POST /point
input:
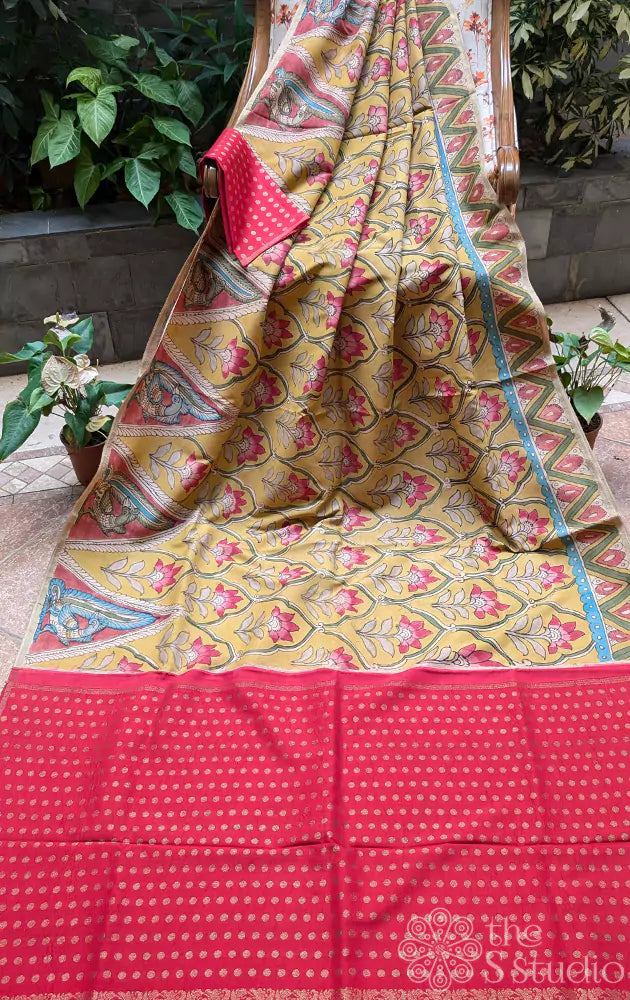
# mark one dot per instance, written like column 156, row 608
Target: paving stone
column 131, row 330
column 13, row 252
column 613, row 229
column 560, row 191
column 56, row 247
column 140, row 239
column 36, row 290
column 551, row 278
column 102, row 282
column 573, row 229
column 615, row 187
column 535, row 227
column 153, row 274
column 603, row 272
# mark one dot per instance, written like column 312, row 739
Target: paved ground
column 38, row 488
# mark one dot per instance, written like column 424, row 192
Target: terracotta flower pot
column 592, row 430
column 85, row 461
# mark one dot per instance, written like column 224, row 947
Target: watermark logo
column 440, row 949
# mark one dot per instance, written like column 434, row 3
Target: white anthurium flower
column 58, row 373
column 64, row 320
column 86, row 372
column 95, row 423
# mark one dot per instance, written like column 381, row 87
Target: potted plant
column 589, row 364
column 61, row 377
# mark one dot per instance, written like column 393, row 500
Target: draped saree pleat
column 327, row 696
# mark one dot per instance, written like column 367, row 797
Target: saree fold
column 326, row 695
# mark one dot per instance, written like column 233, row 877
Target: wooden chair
column 486, row 28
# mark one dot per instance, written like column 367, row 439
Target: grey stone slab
column 56, row 247
column 14, row 225
column 613, row 228
column 131, row 330
column 551, row 278
column 36, row 290
column 102, row 284
column 103, row 349
column 13, row 252
column 573, row 229
column 562, row 191
column 153, row 274
column 140, row 239
column 607, row 187
column 603, row 272
column 99, row 217
column 535, row 227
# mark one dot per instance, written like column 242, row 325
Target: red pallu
column 254, row 835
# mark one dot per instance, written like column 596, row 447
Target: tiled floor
column 38, row 489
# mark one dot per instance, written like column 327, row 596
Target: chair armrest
column 258, row 60
column 508, row 159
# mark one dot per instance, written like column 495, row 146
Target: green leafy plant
column 589, row 365
column 127, row 117
column 61, row 377
column 571, row 77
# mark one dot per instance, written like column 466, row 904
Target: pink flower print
column 201, row 652
column 224, row 600
column 352, row 517
column 421, row 227
column 349, row 557
column 427, row 536
column 445, row 391
column 233, row 358
column 355, row 408
column 350, row 462
column 430, row 273
column 281, row 626
column 484, row 549
column 386, row 14
column 485, row 602
column 485, row 509
column 346, row 600
column 380, row 69
column 414, row 31
column 304, row 435
column 290, row 573
column 470, row 656
column 275, row 330
column 490, row 408
column 372, row 172
column 277, row 253
column 399, row 369
column 333, row 307
column 249, row 448
column 225, row 551
column 466, row 458
column 354, row 63
column 358, row 279
column 550, row 575
column 561, row 635
column 473, row 341
column 266, row 389
column 410, row 634
column 404, row 432
column 316, row 376
column 377, row 119
column 300, row 489
column 318, row 169
column 512, row 464
column 349, row 344
column 530, row 526
column 402, row 55
column 339, row 659
column 415, row 488
column 439, row 327
column 418, row 181
column 348, row 252
column 193, row 472
column 286, row 276
column 420, row 579
column 232, row 502
column 163, row 576
column 289, row 533
column 356, row 215
column 126, row 666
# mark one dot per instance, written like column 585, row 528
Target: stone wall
column 111, row 261
column 577, row 229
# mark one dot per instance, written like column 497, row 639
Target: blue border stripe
column 591, row 608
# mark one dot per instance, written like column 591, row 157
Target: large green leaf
column 65, row 141
column 189, row 99
column 173, row 129
column 77, row 427
column 32, row 350
column 154, row 88
column 152, row 150
column 185, row 162
column 89, row 76
column 114, row 393
column 40, row 400
column 17, row 426
column 187, row 209
column 142, row 180
column 87, row 177
column 588, row 401
column 97, row 115
column 39, row 150
column 85, row 329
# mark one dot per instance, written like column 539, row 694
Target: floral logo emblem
column 439, row 948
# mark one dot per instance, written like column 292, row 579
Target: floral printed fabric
column 354, row 452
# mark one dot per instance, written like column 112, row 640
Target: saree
column 327, row 694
